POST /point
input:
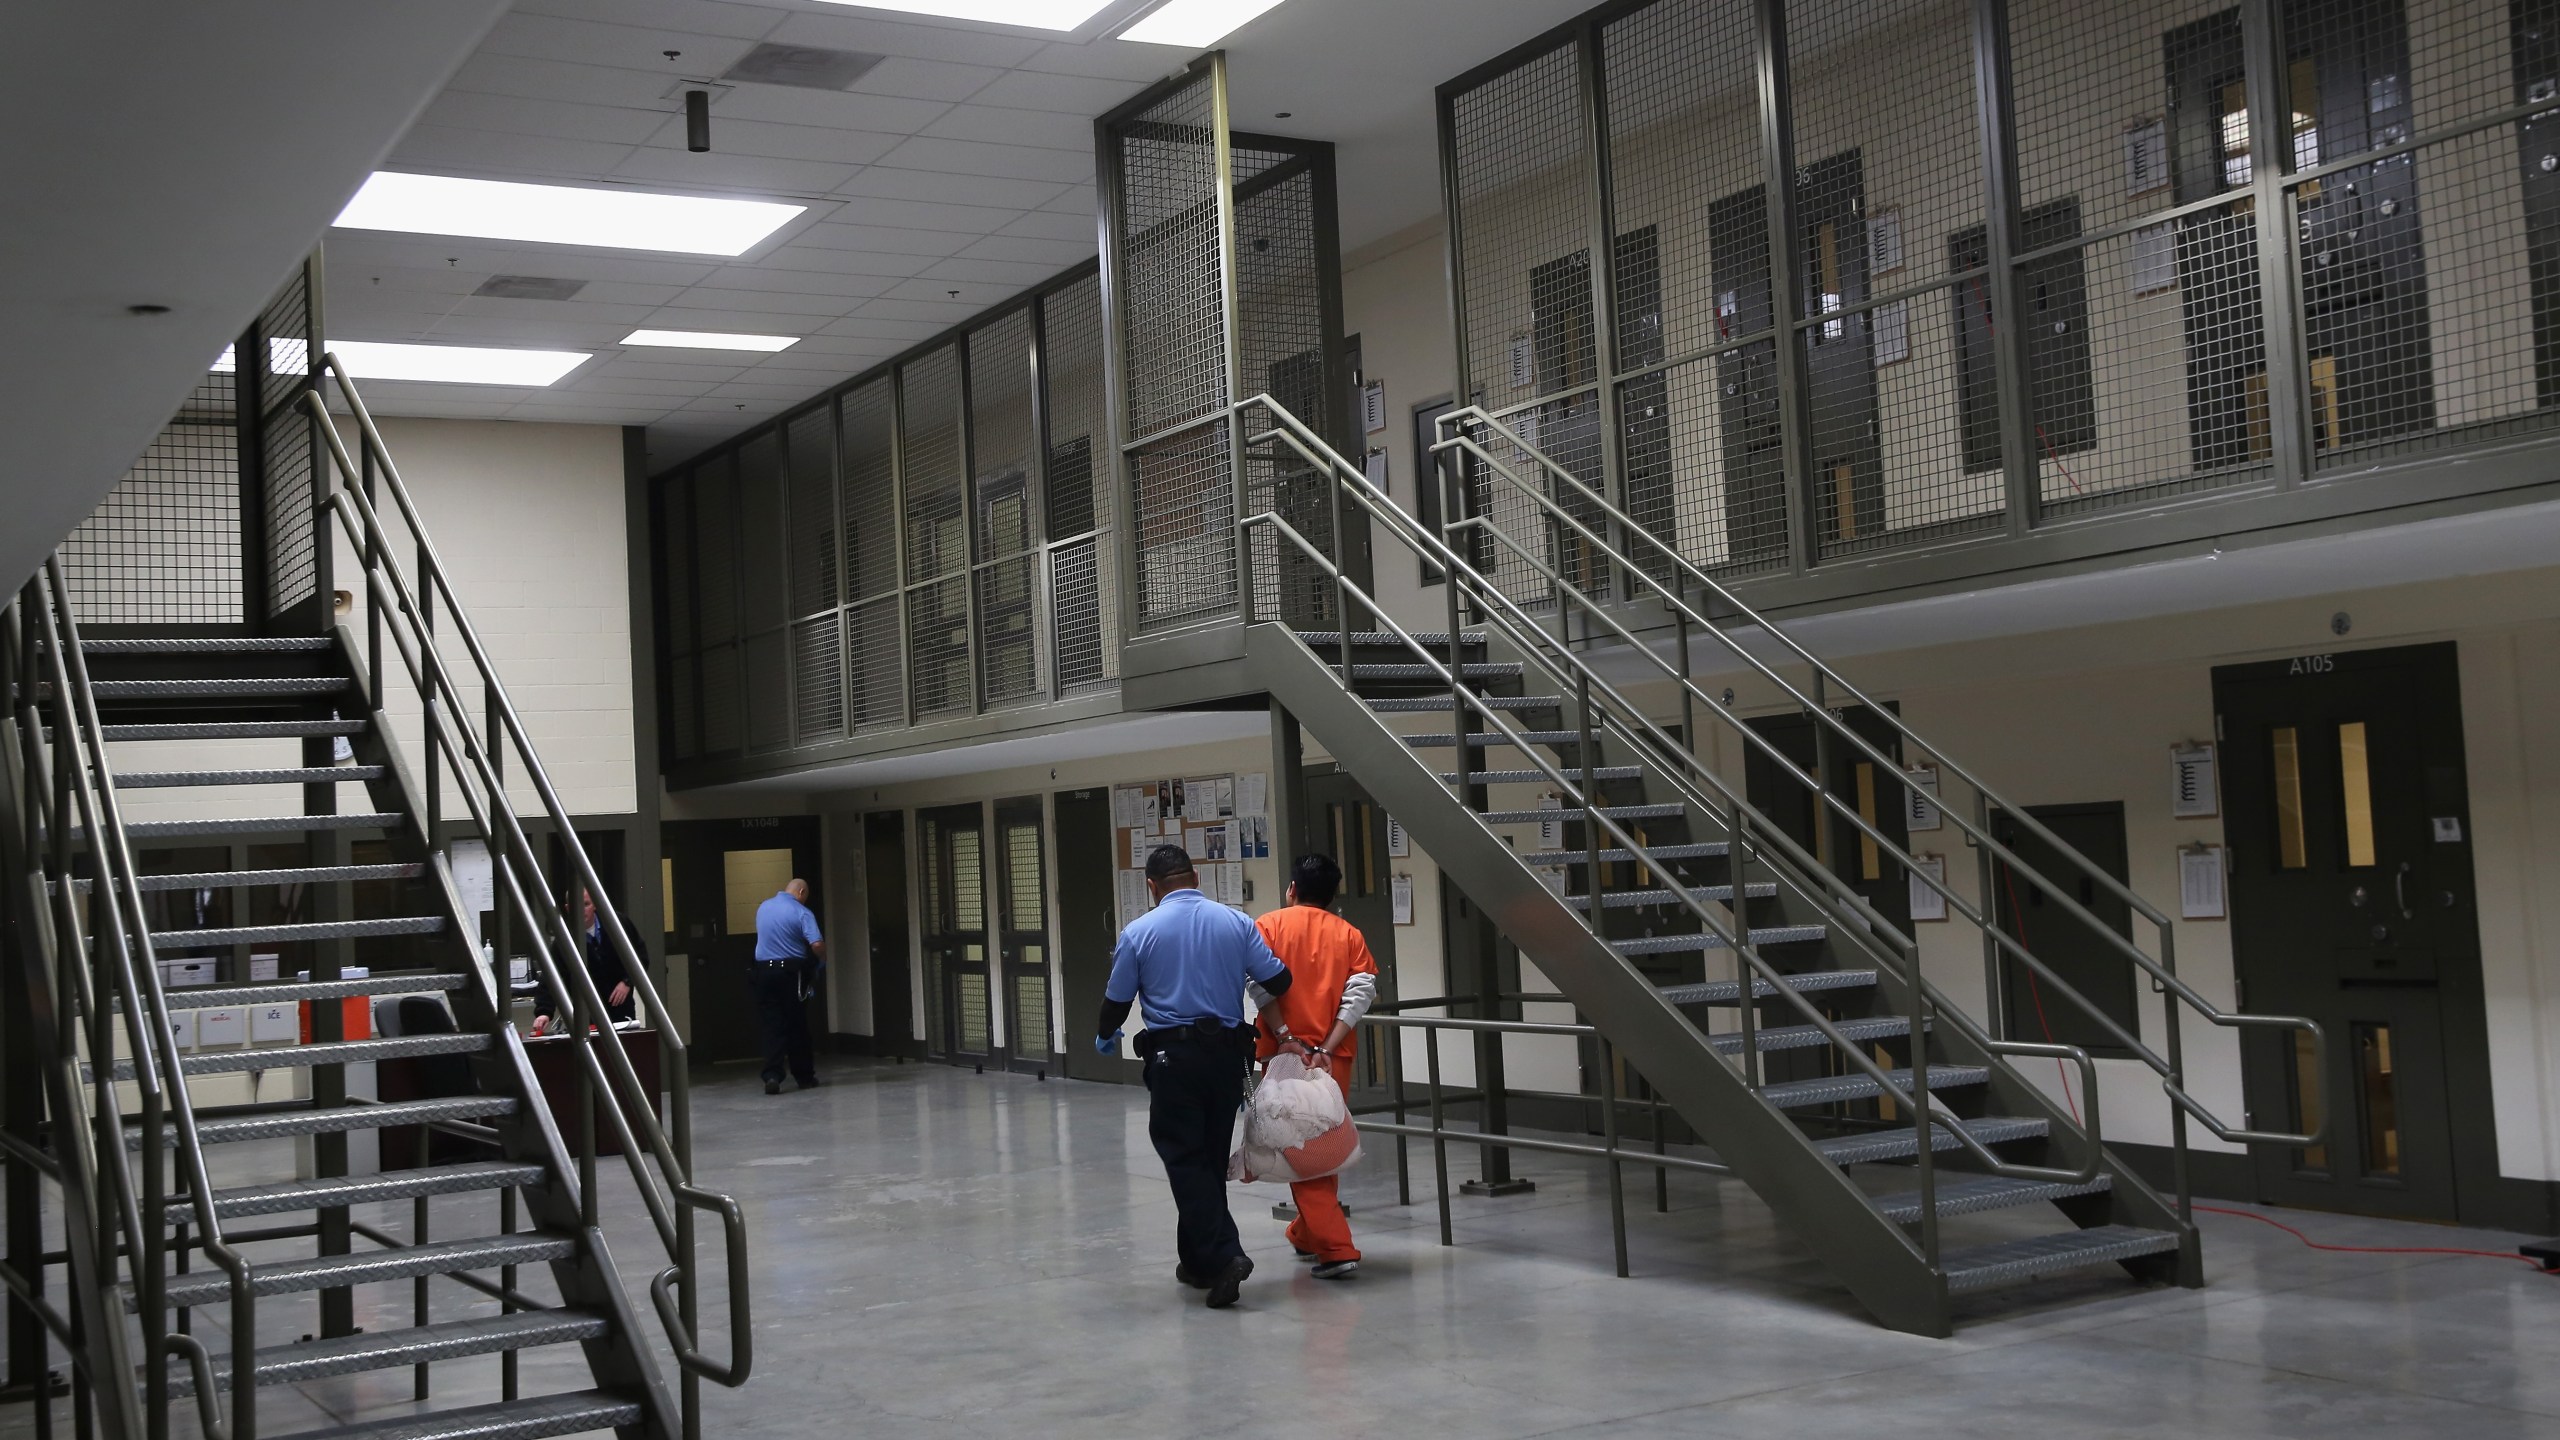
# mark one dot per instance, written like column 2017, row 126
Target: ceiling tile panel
column 793, row 282
column 1053, row 255
column 844, row 262
column 1077, row 95
column 838, row 234
column 829, row 109
column 559, row 119
column 533, row 77
column 926, row 79
column 631, row 47
column 837, row 30
column 1012, row 162
column 961, row 270
column 889, row 183
column 707, row 17
column 493, row 155
column 1044, row 129
column 1078, row 226
column 1110, row 60
column 732, row 136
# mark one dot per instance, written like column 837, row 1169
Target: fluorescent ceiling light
column 451, row 364
column 1194, row 24
column 710, row 340
column 1030, row 14
column 563, row 214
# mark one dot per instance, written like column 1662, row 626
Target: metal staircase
column 183, row 1290
column 1849, row 1091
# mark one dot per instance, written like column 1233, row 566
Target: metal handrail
column 2162, row 971
column 150, row 1034
column 1921, row 1106
column 606, row 1066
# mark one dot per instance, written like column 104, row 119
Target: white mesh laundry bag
column 1296, row 1126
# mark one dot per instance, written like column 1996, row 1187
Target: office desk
column 556, row 1069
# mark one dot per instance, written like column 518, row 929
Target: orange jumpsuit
column 1323, row 951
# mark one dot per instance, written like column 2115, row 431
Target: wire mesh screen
column 684, row 707
column 768, row 698
column 869, row 483
column 1083, row 576
column 817, row 681
column 875, row 664
column 1172, row 299
column 285, row 460
column 762, row 585
column 164, row 547
column 1184, row 499
column 675, row 559
column 938, row 646
column 1280, row 329
column 1523, row 204
column 723, row 701
column 1002, row 440
column 715, row 534
column 1683, row 122
column 809, row 449
column 929, row 453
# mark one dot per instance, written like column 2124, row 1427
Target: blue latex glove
column 1108, row 1044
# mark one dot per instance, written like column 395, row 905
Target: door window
column 2291, row 851
column 2355, row 793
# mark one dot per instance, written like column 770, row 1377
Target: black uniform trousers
column 783, row 1018
column 1194, row 1086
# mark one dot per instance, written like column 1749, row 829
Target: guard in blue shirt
column 789, row 954
column 1189, row 959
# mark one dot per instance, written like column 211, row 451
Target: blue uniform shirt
column 1189, row 958
column 785, row 930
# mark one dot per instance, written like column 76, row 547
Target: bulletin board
column 1220, row 820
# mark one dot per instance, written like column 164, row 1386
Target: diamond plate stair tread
column 1808, row 982
column 335, row 1118
column 1683, row 944
column 304, row 875
column 1798, row 1037
column 383, row 1349
column 536, row 1419
column 1532, row 777
column 206, row 644
column 284, row 992
column 305, row 930
column 444, row 1257
column 332, row 1052
column 1979, row 1267
column 240, row 685
column 1703, row 850
column 1635, row 899
column 1899, row 1145
column 1972, row 1194
column 1613, row 812
column 1442, row 739
column 294, row 775
column 1409, row 704
column 261, row 824
column 1388, row 637
column 291, row 1195
column 1472, row 670
column 237, row 730
column 1836, row 1089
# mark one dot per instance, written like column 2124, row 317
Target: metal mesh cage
column 938, row 646
column 723, row 701
column 675, row 559
column 762, row 585
column 768, row 699
column 870, row 489
column 1281, row 334
column 1001, row 441
column 810, row 520
column 164, row 547
column 715, row 501
column 817, row 681
column 1083, row 584
column 1682, row 111
column 875, row 664
column 1523, row 211
column 929, row 456
column 1183, row 495
column 684, row 707
column 285, row 441
column 1172, row 301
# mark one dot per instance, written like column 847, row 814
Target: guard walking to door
column 1190, row 959
column 789, row 954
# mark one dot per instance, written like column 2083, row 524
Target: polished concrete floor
column 942, row 1254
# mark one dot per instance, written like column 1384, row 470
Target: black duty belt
column 1199, row 1032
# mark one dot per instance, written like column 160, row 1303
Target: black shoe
column 773, row 1087
column 1230, row 1280
column 1305, row 1257
column 1183, row 1274
column 1336, row 1269
column 812, row 1083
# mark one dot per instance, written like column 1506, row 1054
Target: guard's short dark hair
column 1168, row 862
column 1317, row 879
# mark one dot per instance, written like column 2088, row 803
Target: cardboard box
column 262, row 966
column 175, row 973
column 182, row 1023
column 227, row 1027
column 275, row 1024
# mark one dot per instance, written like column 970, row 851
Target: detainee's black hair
column 1317, row 879
column 1168, row 862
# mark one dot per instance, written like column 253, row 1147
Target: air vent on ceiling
column 529, row 287
column 806, row 66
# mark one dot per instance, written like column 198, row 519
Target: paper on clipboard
column 2200, row 884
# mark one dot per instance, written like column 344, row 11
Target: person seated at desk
column 604, row 966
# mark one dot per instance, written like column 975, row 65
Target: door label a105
column 2313, row 665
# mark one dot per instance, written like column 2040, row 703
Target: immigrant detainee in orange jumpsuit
column 1335, row 980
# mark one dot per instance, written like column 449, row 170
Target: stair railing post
column 1439, row 1128
column 1986, row 870
column 1746, row 993
column 2175, row 1044
column 372, row 564
column 1609, row 1138
column 1923, row 1118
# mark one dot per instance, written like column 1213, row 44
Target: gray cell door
column 884, row 861
column 958, row 978
column 1087, row 926
column 1022, row 930
column 2352, row 904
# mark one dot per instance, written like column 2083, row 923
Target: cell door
column 2351, row 904
column 1088, row 926
column 959, row 1003
column 1839, row 357
column 1022, row 929
column 1872, row 791
column 1351, row 827
column 884, row 867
